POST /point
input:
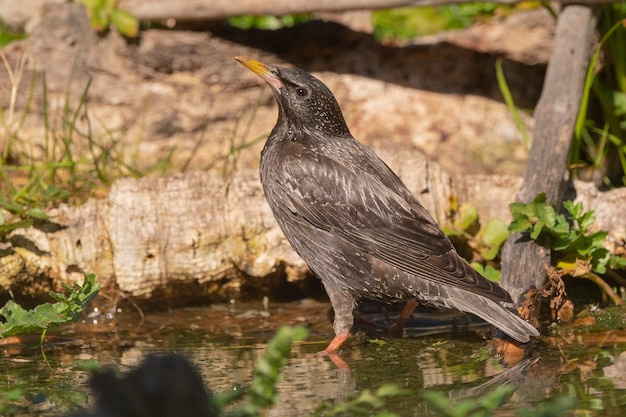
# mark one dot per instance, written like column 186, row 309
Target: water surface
column 225, row 341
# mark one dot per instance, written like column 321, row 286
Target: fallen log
column 152, row 234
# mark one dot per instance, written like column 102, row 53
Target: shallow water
column 225, row 341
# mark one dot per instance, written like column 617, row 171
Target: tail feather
column 492, row 312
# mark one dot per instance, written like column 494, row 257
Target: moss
column 610, row 318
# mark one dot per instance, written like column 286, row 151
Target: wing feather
column 372, row 210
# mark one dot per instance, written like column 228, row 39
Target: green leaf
column 587, row 244
column 390, row 390
column 109, row 4
column 586, row 220
column 600, row 260
column 495, row 232
column 9, row 227
column 19, row 320
column 491, row 253
column 466, row 216
column 451, row 231
column 617, row 262
column 508, row 99
column 496, row 398
column 53, row 193
column 12, row 207
column 266, row 376
column 519, row 225
column 536, row 230
column 598, row 238
column 523, row 210
column 540, row 199
column 386, row 414
column 561, row 226
column 619, row 100
column 99, row 19
column 127, row 24
column 92, row 4
column 560, row 243
column 488, row 271
column 439, row 402
column 546, row 215
column 37, row 213
column 574, row 209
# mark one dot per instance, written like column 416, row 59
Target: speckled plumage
column 352, row 219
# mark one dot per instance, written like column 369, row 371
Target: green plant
column 20, row 217
column 411, row 22
column 609, row 318
column 485, row 242
column 363, row 405
column 262, row 393
column 52, row 179
column 602, row 140
column 237, row 144
column 103, row 13
column 577, row 249
column 556, row 407
column 66, row 308
column 487, row 271
column 487, row 404
column 474, row 407
column 10, row 123
column 508, row 99
column 73, row 163
column 268, row 22
column 8, row 400
column 7, row 36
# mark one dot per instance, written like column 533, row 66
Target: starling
column 354, row 222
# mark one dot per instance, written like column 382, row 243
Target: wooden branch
column 194, row 10
column 523, row 265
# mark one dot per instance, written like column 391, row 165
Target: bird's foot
column 395, row 330
column 333, row 346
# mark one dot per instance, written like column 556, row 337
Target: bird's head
column 304, row 102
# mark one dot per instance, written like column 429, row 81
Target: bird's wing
column 374, row 214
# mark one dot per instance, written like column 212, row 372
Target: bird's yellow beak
column 267, row 72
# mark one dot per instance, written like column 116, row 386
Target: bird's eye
column 302, row 92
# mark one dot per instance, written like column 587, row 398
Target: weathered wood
column 153, row 234
column 218, row 9
column 523, row 265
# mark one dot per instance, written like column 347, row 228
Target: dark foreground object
column 162, row 386
column 354, row 222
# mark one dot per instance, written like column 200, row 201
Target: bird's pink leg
column 396, row 329
column 336, row 343
column 331, row 350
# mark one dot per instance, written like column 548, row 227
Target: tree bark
column 523, row 261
